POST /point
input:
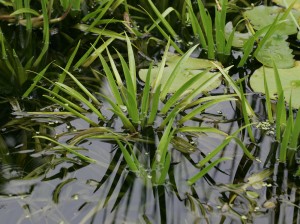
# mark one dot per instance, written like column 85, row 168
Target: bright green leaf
column 190, row 68
column 25, row 10
column 239, row 39
column 262, row 16
column 290, row 81
column 287, row 3
column 276, row 49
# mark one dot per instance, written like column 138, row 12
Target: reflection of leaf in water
column 121, row 178
column 3, row 148
column 110, row 170
column 183, row 145
column 126, row 188
column 125, row 182
column 58, row 189
column 197, row 207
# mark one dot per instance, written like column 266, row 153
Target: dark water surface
column 36, row 187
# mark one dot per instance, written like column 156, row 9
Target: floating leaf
column 239, row 39
column 287, row 3
column 290, row 80
column 276, row 49
column 190, row 68
column 261, row 16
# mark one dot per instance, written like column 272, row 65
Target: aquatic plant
column 29, row 32
column 140, row 111
column 208, row 33
column 151, row 119
column 286, row 130
column 269, row 33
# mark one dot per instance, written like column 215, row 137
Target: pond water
column 44, row 187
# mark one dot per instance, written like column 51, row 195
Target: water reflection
column 109, row 193
column 16, row 164
column 42, row 184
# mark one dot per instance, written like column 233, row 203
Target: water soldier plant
column 138, row 114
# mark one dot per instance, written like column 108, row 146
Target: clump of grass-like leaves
column 31, row 37
column 140, row 110
column 287, row 125
column 209, row 32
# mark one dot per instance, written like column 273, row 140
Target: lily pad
column 290, row 80
column 261, row 16
column 190, row 68
column 287, row 3
column 276, row 49
column 239, row 39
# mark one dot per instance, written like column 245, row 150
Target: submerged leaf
column 290, row 81
column 183, row 145
column 262, row 16
column 252, row 194
column 190, row 68
column 276, row 49
column 269, row 204
column 257, row 178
